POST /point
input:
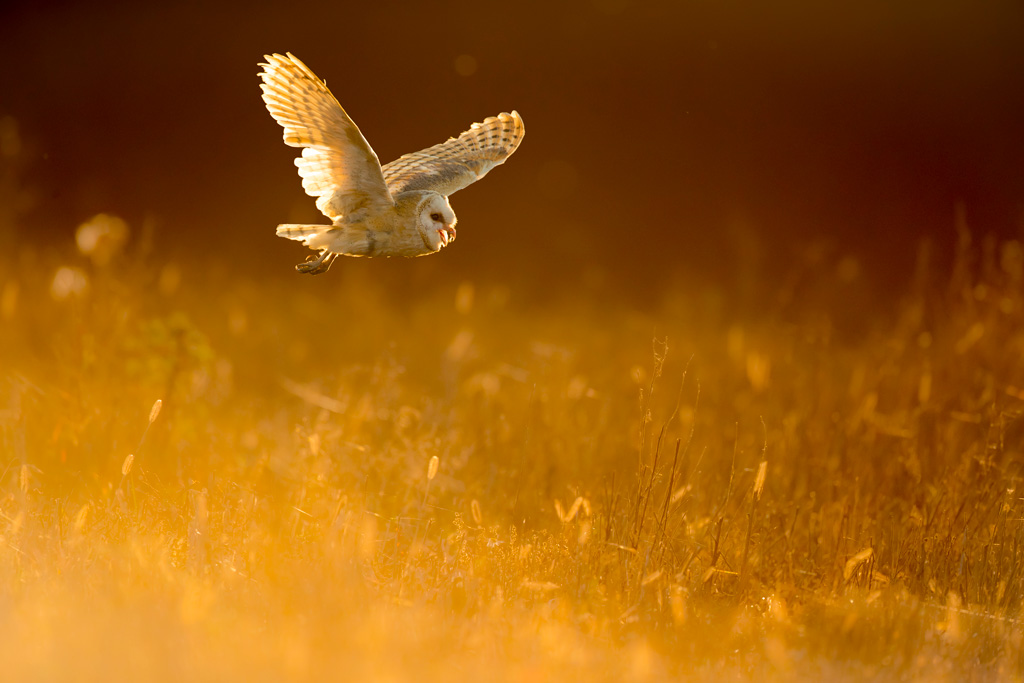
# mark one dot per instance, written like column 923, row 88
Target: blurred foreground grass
column 619, row 495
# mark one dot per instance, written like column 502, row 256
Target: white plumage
column 400, row 209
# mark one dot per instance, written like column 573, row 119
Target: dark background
column 702, row 138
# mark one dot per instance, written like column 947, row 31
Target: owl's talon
column 315, row 265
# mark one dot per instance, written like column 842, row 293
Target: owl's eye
column 435, row 217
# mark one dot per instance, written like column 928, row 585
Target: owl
column 400, row 209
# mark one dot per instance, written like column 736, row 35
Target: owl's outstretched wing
column 337, row 165
column 452, row 165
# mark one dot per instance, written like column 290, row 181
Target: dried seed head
column 678, row 494
column 571, row 515
column 155, row 411
column 126, row 466
column 762, row 472
column 540, row 586
column 435, row 462
column 23, row 479
column 856, row 561
column 82, row 517
column 651, row 578
column 478, row 518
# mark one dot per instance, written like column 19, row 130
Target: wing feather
column 337, row 165
column 452, row 165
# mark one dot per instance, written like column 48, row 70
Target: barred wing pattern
column 337, row 165
column 452, row 165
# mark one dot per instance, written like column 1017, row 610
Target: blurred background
column 668, row 143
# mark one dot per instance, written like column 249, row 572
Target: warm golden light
column 722, row 380
column 731, row 482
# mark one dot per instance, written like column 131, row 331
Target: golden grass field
column 351, row 481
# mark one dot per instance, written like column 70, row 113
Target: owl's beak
column 447, row 236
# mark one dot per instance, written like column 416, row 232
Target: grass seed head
column 478, row 517
column 155, row 410
column 575, row 508
column 762, row 472
column 855, row 561
column 435, row 462
column 81, row 517
column 651, row 578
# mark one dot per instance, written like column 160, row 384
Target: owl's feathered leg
column 319, row 264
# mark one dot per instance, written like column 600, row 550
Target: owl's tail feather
column 314, row 236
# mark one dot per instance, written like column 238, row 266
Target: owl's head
column 436, row 221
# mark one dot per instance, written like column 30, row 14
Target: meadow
column 212, row 475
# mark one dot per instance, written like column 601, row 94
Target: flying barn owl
column 400, row 209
